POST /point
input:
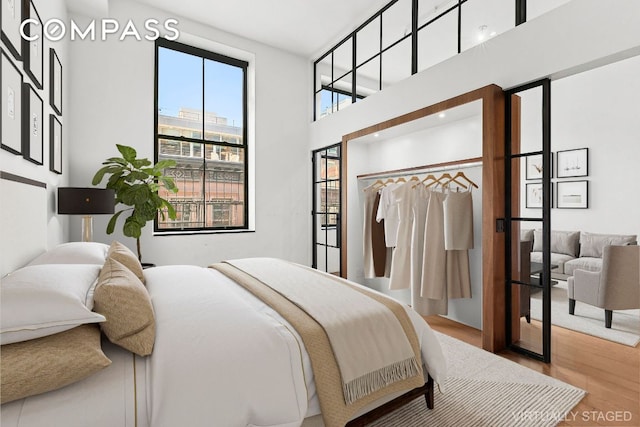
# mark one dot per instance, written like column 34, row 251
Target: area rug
column 487, row 390
column 625, row 328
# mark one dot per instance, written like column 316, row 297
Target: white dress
column 388, row 210
column 401, row 263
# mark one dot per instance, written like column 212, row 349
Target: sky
column 180, row 85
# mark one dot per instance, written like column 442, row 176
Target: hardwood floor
column 609, row 372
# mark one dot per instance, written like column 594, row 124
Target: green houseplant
column 136, row 183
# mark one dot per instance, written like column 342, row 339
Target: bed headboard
column 23, row 221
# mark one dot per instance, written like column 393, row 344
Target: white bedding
column 221, row 358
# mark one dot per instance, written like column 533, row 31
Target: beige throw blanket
column 371, row 338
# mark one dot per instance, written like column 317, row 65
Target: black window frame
column 213, row 56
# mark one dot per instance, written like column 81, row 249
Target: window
column 200, row 122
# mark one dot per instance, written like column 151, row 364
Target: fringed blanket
column 362, row 345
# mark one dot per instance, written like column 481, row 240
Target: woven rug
column 487, row 390
column 625, row 328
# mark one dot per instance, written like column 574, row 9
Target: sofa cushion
column 556, row 259
column 591, row 244
column 582, row 263
column 562, row 242
column 526, row 235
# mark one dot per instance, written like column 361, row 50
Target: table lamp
column 86, row 202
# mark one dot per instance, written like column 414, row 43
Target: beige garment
column 458, row 221
column 458, row 237
column 434, row 271
column 422, row 305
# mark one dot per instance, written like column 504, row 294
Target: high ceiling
column 304, row 27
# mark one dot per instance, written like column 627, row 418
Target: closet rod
column 436, row 167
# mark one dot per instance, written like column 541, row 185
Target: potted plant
column 136, row 184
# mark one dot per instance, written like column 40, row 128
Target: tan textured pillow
column 48, row 363
column 122, row 298
column 124, row 256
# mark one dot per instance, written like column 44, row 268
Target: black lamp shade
column 86, row 201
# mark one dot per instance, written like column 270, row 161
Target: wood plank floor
column 609, row 372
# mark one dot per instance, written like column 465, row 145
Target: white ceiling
column 305, row 27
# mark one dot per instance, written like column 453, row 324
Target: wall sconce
column 86, row 202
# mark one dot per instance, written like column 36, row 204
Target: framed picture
column 55, row 144
column 11, row 13
column 32, row 120
column 32, row 51
column 533, row 166
column 573, row 195
column 572, row 163
column 55, row 82
column 11, row 119
column 534, row 192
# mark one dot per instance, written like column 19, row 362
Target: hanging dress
column 401, row 263
column 388, row 211
column 378, row 244
column 433, row 284
column 458, row 239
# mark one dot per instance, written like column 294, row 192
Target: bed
column 219, row 356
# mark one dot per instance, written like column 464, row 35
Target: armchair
column 615, row 287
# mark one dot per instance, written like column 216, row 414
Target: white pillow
column 41, row 300
column 74, row 253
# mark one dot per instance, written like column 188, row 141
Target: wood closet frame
column 493, row 201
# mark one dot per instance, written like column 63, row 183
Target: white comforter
column 224, row 358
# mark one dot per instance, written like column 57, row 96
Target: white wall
column 56, row 226
column 598, row 110
column 456, row 140
column 112, row 101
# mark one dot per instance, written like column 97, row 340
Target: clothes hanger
column 378, row 184
column 462, row 175
column 425, row 179
column 401, row 179
column 450, row 179
column 414, row 178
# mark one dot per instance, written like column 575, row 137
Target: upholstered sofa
column 572, row 250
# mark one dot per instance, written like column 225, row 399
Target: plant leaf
column 112, row 222
column 128, row 153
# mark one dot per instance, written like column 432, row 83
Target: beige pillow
column 592, row 244
column 48, row 363
column 124, row 256
column 122, row 298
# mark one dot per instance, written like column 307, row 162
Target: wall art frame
column 32, row 125
column 11, row 17
column 33, row 51
column 55, row 82
column 572, row 194
column 55, row 144
column 533, row 167
column 534, row 194
column 11, row 109
column 572, row 163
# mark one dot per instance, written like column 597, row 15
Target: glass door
column 327, row 194
column 528, row 204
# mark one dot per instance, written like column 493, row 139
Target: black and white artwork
column 32, row 48
column 573, row 195
column 55, row 144
column 533, row 166
column 55, row 82
column 32, row 125
column 572, row 163
column 11, row 19
column 11, row 119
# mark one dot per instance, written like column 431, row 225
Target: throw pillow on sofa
column 562, row 242
column 592, row 244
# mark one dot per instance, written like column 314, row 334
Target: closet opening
column 459, row 142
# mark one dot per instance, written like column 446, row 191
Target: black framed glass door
column 528, row 205
column 326, row 212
